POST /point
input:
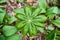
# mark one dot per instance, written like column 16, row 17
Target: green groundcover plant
column 8, row 32
column 29, row 20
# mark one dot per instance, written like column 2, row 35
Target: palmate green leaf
column 9, row 30
column 2, row 37
column 30, row 30
column 25, row 30
column 40, row 18
column 56, row 22
column 14, row 37
column 51, row 35
column 19, row 10
column 2, row 1
column 34, row 28
column 43, row 4
column 21, row 16
column 28, row 10
column 39, row 24
column 19, row 25
column 2, row 14
column 36, row 12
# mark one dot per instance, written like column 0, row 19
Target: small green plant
column 7, row 32
column 30, row 20
column 51, row 12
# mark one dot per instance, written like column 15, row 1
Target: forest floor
column 11, row 5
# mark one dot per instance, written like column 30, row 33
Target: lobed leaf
column 40, row 18
column 25, row 30
column 21, row 16
column 28, row 10
column 19, row 25
column 36, row 12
